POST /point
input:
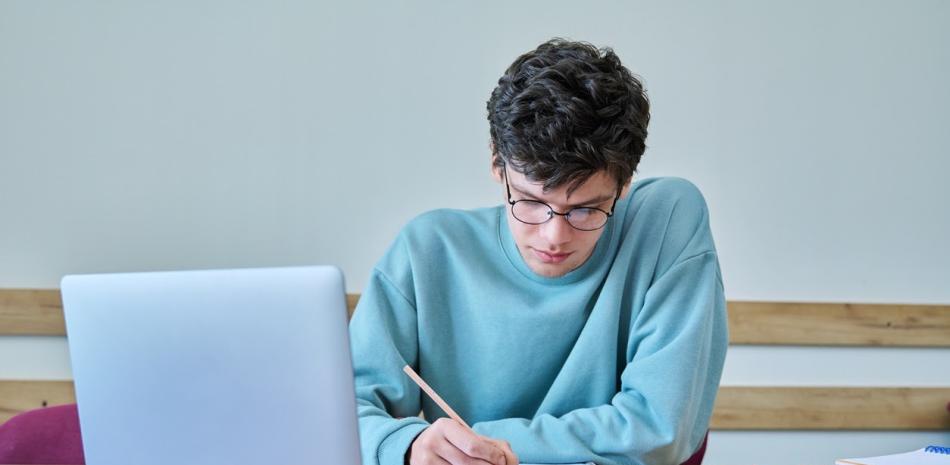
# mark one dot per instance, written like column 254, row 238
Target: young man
column 581, row 320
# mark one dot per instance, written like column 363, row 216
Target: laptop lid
column 234, row 367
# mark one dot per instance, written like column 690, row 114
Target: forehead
column 600, row 186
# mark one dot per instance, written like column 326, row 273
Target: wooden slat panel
column 737, row 408
column 19, row 396
column 824, row 408
column 351, row 300
column 31, row 312
column 839, row 324
column 39, row 312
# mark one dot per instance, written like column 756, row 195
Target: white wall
column 143, row 136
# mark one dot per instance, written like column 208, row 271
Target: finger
column 510, row 457
column 447, row 451
column 472, row 444
column 420, row 451
column 428, row 457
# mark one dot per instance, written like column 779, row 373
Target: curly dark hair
column 567, row 110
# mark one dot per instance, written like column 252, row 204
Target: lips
column 552, row 258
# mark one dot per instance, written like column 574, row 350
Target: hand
column 510, row 457
column 447, row 442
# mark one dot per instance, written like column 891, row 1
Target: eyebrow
column 594, row 201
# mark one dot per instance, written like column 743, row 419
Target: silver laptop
column 233, row 367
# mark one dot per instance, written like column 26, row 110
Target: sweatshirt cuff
column 392, row 451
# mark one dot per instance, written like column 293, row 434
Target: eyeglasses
column 537, row 212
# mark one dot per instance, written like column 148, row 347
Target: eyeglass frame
column 553, row 212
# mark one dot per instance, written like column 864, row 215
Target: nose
column 557, row 231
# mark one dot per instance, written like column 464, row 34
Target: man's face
column 554, row 248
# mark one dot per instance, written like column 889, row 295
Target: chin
column 549, row 271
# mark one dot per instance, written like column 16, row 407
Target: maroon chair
column 697, row 457
column 47, row 435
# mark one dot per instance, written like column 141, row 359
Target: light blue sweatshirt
column 616, row 362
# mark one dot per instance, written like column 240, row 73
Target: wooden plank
column 830, row 408
column 39, row 312
column 351, row 301
column 31, row 312
column 737, row 408
column 839, row 324
column 19, row 396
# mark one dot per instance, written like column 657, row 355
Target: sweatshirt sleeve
column 674, row 360
column 383, row 337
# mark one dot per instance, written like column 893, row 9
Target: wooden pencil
column 434, row 395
